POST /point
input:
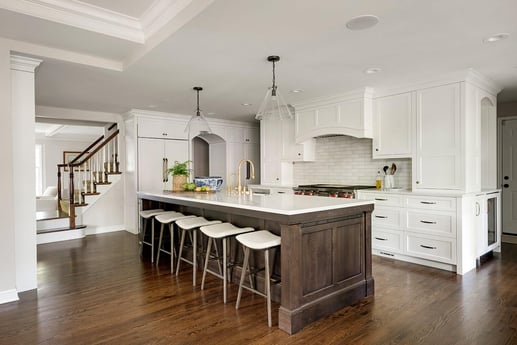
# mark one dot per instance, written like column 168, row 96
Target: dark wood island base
column 326, row 259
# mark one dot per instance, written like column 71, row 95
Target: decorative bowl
column 214, row 182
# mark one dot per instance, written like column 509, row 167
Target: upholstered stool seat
column 223, row 231
column 191, row 225
column 258, row 240
column 168, row 218
column 145, row 216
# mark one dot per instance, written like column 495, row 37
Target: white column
column 23, row 117
column 7, row 252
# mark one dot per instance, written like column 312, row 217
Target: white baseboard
column 93, row 230
column 509, row 239
column 60, row 236
column 411, row 259
column 8, row 296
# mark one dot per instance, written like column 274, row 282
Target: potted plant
column 180, row 173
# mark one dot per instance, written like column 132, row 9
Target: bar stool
column 146, row 215
column 191, row 225
column 223, row 231
column 258, row 240
column 168, row 218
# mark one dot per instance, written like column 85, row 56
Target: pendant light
column 198, row 123
column 273, row 106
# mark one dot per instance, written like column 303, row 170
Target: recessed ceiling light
column 372, row 70
column 152, row 106
column 296, row 90
column 496, row 37
column 246, row 104
column 362, row 22
column 210, row 114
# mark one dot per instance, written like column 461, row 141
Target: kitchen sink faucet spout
column 240, row 189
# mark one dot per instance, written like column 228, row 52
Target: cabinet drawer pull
column 380, row 199
column 427, row 247
column 381, row 239
column 427, row 222
column 428, row 202
column 164, row 134
column 381, row 217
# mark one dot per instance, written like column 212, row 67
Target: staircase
column 81, row 182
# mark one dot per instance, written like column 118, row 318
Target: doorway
column 508, row 174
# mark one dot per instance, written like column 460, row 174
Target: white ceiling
column 222, row 45
column 68, row 131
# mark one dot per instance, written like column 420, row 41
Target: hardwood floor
column 97, row 291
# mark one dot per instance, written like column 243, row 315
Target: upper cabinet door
column 393, row 124
column 438, row 150
column 162, row 128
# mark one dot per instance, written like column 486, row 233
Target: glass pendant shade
column 274, row 106
column 198, row 123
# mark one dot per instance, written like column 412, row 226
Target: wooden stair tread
column 81, row 205
column 114, row 173
column 86, row 194
column 45, row 231
column 103, row 183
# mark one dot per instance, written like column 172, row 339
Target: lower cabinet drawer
column 440, row 224
column 386, row 216
column 431, row 247
column 387, row 240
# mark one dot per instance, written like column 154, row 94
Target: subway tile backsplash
column 348, row 160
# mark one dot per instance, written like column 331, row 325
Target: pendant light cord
column 197, row 111
column 273, row 91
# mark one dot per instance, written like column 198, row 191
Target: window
column 39, row 169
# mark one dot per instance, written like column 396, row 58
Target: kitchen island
column 325, row 262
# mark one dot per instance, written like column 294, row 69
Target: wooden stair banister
column 93, row 165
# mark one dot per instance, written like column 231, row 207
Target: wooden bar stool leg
column 171, row 230
column 207, row 258
column 243, row 273
column 182, row 242
column 194, row 257
column 225, row 270
column 267, row 286
column 159, row 244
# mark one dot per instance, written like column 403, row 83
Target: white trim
column 60, row 236
column 80, row 15
column 390, row 255
column 104, row 229
column 64, row 55
column 362, row 93
column 24, row 64
column 160, row 13
column 470, row 76
column 8, row 296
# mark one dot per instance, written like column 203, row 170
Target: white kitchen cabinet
column 293, row 151
column 393, row 126
column 162, row 128
column 273, row 169
column 436, row 231
column 155, row 156
column 438, row 161
column 488, row 222
column 347, row 114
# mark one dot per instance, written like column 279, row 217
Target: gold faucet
column 239, row 171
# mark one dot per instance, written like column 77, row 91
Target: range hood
column 346, row 114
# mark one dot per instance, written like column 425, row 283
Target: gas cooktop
column 335, row 186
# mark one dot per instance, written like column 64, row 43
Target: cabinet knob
column 506, row 185
column 506, row 177
column 377, row 150
column 417, row 182
column 299, row 154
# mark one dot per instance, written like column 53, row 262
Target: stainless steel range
column 330, row 190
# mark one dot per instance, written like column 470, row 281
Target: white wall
column 348, row 160
column 7, row 251
column 53, row 155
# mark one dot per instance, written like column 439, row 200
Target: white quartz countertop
column 444, row 193
column 277, row 203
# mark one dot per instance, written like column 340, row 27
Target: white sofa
column 48, row 201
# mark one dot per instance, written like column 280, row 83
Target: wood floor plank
column 97, row 290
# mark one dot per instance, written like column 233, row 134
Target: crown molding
column 24, row 64
column 81, row 15
column 160, row 13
